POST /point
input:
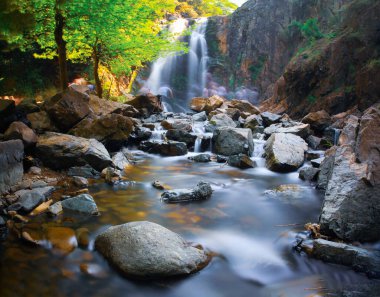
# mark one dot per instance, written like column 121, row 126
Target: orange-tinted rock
column 318, row 120
column 62, row 238
column 18, row 130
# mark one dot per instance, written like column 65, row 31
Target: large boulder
column 110, row 129
column 318, row 121
column 99, row 106
column 168, row 148
column 61, row 151
column 351, row 209
column 18, row 130
column 218, row 121
column 146, row 104
column 68, row 108
column 244, row 106
column 241, row 161
column 202, row 191
column 11, row 167
column 232, row 141
column 284, row 152
column 41, row 122
column 181, row 136
column 146, row 250
column 253, row 121
column 200, row 104
column 299, row 129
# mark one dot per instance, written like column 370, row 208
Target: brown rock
column 243, row 106
column 318, row 121
column 146, row 104
column 41, row 122
column 206, row 104
column 18, row 130
column 62, row 239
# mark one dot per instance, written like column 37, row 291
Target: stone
column 202, row 191
column 18, row 130
column 290, row 194
column 241, row 161
column 140, row 134
column 201, row 158
column 218, row 121
column 206, row 104
column 359, row 259
column 29, row 201
column 146, row 250
column 110, row 129
column 243, row 106
column 99, row 106
column 313, row 141
column 169, row 148
column 284, row 152
column 318, row 121
column 61, row 151
column 146, row 104
column 62, row 239
column 120, row 160
column 233, row 141
column 200, row 117
column 270, row 118
column 177, row 124
column 35, row 170
column 181, row 136
column 11, row 156
column 351, row 208
column 111, row 175
column 55, row 209
column 83, row 203
column 41, row 122
column 317, row 162
column 299, row 129
column 253, row 121
column 80, row 181
column 326, row 169
column 309, row 173
column 67, row 108
column 85, row 171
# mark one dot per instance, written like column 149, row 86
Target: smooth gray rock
column 80, row 181
column 11, row 167
column 270, row 118
column 56, row 208
column 120, row 160
column 83, row 203
column 233, row 141
column 146, row 250
column 201, row 158
column 200, row 117
column 313, row 141
column 29, row 201
column 241, row 161
column 309, row 173
column 284, row 152
column 359, row 259
column 202, row 191
column 61, row 151
column 299, row 129
column 253, row 121
column 218, row 121
column 45, row 191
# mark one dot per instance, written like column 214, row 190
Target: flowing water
column 250, row 233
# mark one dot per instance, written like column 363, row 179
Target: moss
column 257, row 68
column 311, row 98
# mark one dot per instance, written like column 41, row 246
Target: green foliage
column 257, row 68
column 205, row 8
column 309, row 29
column 311, row 98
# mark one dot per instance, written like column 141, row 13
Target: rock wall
column 256, row 47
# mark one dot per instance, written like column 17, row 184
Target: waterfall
column 179, row 78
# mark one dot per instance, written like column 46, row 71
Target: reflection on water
column 249, row 232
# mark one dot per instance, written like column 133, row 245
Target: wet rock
column 299, row 129
column 313, row 141
column 62, row 239
column 158, row 185
column 41, row 122
column 55, row 209
column 30, row 200
column 200, row 117
column 111, row 129
column 218, row 121
column 61, row 151
column 284, row 152
column 120, row 160
column 317, row 162
column 83, row 203
column 359, row 259
column 290, row 193
column 83, row 237
column 243, row 106
column 147, row 250
column 270, row 118
column 309, row 173
column 232, row 141
column 11, row 156
column 80, row 182
column 85, row 171
column 202, row 191
column 201, row 158
column 169, row 148
column 181, row 136
column 311, row 155
column 351, row 209
column 111, row 175
column 174, row 124
column 318, row 121
column 146, row 104
column 68, row 108
column 140, row 134
column 18, row 130
column 241, row 161
column 206, row 104
column 326, row 169
column 252, row 122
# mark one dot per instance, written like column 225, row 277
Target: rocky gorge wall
column 256, row 47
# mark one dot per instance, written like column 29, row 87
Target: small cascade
column 157, row 133
column 197, row 145
column 204, row 139
column 259, row 146
column 336, row 136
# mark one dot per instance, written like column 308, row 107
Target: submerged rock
column 202, row 191
column 201, row 158
column 146, row 250
column 83, row 203
column 241, row 161
column 233, row 141
column 61, row 151
column 284, row 152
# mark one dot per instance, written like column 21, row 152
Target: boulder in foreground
column 147, row 250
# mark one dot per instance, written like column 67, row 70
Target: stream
column 250, row 233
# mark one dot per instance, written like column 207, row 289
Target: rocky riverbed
column 236, row 183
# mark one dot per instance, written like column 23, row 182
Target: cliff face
column 257, row 47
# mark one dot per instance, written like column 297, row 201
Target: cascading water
column 179, row 78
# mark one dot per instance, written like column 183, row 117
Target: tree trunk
column 98, row 83
column 61, row 46
column 132, row 80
